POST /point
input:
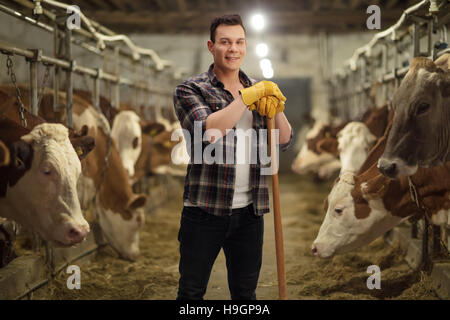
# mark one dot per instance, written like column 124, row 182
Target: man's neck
column 228, row 78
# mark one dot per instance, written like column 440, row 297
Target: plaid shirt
column 211, row 186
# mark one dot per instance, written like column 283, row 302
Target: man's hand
column 268, row 106
column 261, row 89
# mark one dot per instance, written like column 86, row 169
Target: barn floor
column 155, row 274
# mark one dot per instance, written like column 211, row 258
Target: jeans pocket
column 195, row 214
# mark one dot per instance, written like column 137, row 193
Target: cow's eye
column 47, row 171
column 338, row 211
column 423, row 108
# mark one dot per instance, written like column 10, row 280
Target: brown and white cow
column 312, row 159
column 420, row 132
column 363, row 206
column 127, row 129
column 38, row 189
column 119, row 210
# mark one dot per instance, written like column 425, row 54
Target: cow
column 420, row 132
column 311, row 159
column 104, row 180
column 38, row 189
column 364, row 205
column 127, row 130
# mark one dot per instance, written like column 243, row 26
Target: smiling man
column 224, row 202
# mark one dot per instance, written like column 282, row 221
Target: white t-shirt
column 242, row 192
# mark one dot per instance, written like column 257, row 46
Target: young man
column 224, row 202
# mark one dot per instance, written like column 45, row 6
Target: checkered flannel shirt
column 211, row 186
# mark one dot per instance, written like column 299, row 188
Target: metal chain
column 43, row 84
column 415, row 199
column 10, row 72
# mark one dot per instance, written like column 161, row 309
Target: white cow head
column 45, row 198
column 126, row 132
column 344, row 229
column 354, row 143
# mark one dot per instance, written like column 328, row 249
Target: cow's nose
column 314, row 250
column 76, row 235
column 387, row 168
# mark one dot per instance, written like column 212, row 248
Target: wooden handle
column 277, row 213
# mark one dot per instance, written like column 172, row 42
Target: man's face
column 229, row 47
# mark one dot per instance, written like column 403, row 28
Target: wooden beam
column 198, row 22
column 118, row 4
column 391, row 3
column 354, row 4
column 162, row 4
column 181, row 5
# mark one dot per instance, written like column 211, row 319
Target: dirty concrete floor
column 155, row 274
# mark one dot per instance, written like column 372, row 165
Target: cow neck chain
column 10, row 72
column 415, row 198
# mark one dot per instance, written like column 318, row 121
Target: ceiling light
column 265, row 64
column 262, row 49
column 258, row 22
column 268, row 73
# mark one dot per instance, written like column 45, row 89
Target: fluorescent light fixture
column 258, row 22
column 265, row 64
column 262, row 49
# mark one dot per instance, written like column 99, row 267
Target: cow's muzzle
column 388, row 168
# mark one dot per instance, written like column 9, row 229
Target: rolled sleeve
column 190, row 107
column 286, row 146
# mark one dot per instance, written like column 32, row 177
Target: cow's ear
column 21, row 155
column 5, row 157
column 328, row 145
column 84, row 131
column 83, row 145
column 376, row 188
column 152, row 128
column 443, row 62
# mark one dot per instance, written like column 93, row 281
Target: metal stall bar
column 37, row 53
column 69, row 76
column 80, row 69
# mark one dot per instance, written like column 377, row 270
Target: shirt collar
column 245, row 80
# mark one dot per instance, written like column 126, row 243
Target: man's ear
column 210, row 45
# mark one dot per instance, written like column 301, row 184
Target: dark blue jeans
column 201, row 237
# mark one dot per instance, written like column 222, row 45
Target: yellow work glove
column 268, row 106
column 261, row 89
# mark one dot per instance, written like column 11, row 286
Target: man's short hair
column 228, row 19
